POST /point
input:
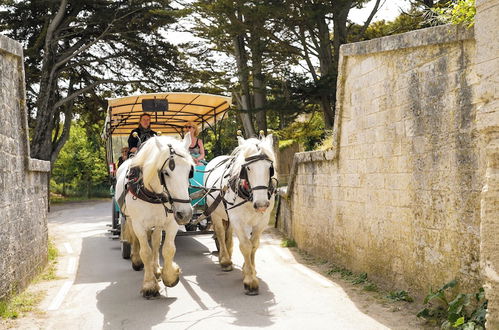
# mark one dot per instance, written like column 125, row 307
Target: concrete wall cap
column 418, row 38
column 10, row 46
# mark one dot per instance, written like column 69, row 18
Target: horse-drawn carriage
column 169, row 114
column 157, row 188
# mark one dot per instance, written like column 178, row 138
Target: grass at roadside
column 19, row 304
column 15, row 305
column 49, row 273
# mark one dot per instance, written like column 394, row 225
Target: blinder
column 243, row 175
column 171, row 166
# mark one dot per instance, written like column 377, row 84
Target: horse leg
column 150, row 287
column 171, row 271
column 130, row 237
column 229, row 242
column 223, row 254
column 156, row 244
column 249, row 279
column 255, row 242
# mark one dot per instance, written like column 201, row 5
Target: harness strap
column 212, row 207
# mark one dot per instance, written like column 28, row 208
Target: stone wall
column 285, row 161
column 487, row 100
column 23, row 181
column 398, row 196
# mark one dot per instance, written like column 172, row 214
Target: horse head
column 256, row 168
column 167, row 167
column 174, row 174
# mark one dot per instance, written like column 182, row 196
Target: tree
column 309, row 24
column 76, row 50
column 80, row 167
column 240, row 29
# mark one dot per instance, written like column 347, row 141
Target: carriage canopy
column 169, row 112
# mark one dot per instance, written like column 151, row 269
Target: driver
column 144, row 131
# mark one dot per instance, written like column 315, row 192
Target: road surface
column 99, row 290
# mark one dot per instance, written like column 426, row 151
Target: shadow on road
column 120, row 301
column 225, row 288
column 123, row 307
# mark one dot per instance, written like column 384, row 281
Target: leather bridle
column 162, row 173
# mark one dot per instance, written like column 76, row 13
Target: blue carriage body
column 197, row 180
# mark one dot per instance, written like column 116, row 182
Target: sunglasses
column 188, row 126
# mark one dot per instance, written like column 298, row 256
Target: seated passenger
column 196, row 149
column 124, row 156
column 144, row 131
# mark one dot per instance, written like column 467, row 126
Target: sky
column 388, row 12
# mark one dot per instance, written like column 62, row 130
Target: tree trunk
column 340, row 16
column 242, row 72
column 328, row 73
column 259, row 92
column 41, row 145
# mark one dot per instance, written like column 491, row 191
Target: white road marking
column 56, row 303
column 68, row 247
column 71, row 265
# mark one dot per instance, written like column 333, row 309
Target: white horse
column 160, row 171
column 247, row 201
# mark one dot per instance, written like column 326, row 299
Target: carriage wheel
column 115, row 215
column 126, row 250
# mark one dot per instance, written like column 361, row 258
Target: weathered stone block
column 404, row 183
column 23, row 197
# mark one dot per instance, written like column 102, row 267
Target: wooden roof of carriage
column 203, row 109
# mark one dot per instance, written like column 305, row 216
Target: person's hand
column 133, row 149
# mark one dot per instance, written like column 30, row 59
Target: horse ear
column 270, row 140
column 240, row 140
column 158, row 144
column 187, row 140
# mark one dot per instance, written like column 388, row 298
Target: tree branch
column 371, row 16
column 90, row 87
column 55, row 22
column 97, row 39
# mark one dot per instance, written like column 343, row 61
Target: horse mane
column 250, row 148
column 150, row 158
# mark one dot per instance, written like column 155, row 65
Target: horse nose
column 261, row 206
column 183, row 217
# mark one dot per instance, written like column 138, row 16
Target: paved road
column 99, row 289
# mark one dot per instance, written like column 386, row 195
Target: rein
column 136, row 187
column 236, row 184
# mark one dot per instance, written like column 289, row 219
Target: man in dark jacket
column 144, row 131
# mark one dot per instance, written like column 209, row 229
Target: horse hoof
column 148, row 294
column 172, row 284
column 137, row 267
column 226, row 267
column 249, row 291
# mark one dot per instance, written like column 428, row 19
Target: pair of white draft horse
column 244, row 181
